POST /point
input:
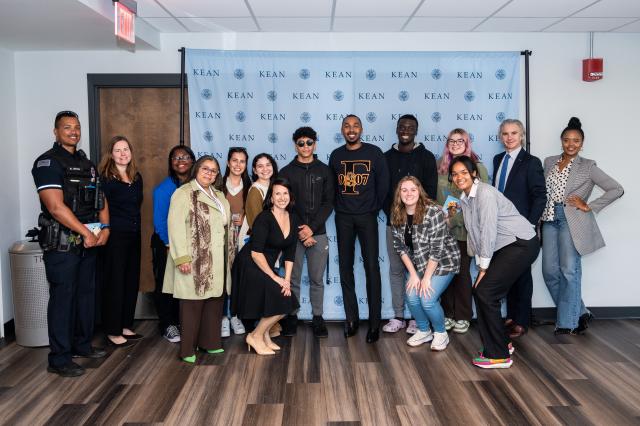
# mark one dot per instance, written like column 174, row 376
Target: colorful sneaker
column 225, row 331
column 461, row 326
column 172, row 334
column 412, row 328
column 190, row 359
column 483, row 362
column 440, row 341
column 509, row 346
column 237, row 326
column 420, row 337
column 394, row 325
column 449, row 323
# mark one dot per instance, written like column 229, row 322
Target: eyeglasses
column 209, row 171
column 182, row 158
column 455, row 141
column 66, row 114
column 308, row 142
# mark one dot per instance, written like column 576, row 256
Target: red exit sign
column 125, row 20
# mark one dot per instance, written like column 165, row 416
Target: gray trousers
column 397, row 277
column 316, row 263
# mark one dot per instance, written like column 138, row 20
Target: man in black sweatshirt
column 406, row 158
column 362, row 181
column 313, row 191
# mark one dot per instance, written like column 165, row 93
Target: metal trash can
column 30, row 293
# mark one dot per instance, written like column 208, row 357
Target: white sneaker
column 394, row 325
column 449, row 324
column 412, row 328
column 461, row 326
column 225, row 331
column 420, row 337
column 440, row 341
column 172, row 334
column 237, row 326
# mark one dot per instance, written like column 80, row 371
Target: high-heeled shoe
column 251, row 343
column 275, row 330
column 270, row 344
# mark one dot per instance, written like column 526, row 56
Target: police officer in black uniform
column 70, row 197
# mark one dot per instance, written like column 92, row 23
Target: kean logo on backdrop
column 436, row 117
column 305, row 117
column 403, row 95
column 469, row 96
column 238, row 73
column 273, row 138
column 304, row 74
column 208, row 136
column 272, row 95
column 206, row 94
column 338, row 95
column 371, row 117
column 436, row 74
column 370, row 74
column 501, row 74
column 241, row 116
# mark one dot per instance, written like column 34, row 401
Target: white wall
column 47, row 82
column 10, row 229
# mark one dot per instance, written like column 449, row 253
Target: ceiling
column 88, row 24
column 179, row 16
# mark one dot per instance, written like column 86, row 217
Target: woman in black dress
column 122, row 185
column 258, row 291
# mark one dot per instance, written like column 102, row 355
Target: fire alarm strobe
column 592, row 69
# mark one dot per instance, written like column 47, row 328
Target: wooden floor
column 581, row 380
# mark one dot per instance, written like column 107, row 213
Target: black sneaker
column 71, row 369
column 570, row 331
column 319, row 328
column 289, row 325
column 95, row 353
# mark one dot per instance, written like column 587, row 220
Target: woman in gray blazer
column 569, row 229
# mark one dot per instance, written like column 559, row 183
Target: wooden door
column 149, row 118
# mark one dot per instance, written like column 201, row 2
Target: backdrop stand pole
column 527, row 122
column 182, row 51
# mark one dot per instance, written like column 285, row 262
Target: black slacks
column 507, row 264
column 365, row 228
column 167, row 308
column 456, row 299
column 70, row 313
column 121, row 281
column 519, row 300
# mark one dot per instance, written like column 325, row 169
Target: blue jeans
column 562, row 270
column 427, row 309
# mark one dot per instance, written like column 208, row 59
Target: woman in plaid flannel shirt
column 431, row 255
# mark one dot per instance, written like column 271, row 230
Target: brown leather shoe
column 517, row 331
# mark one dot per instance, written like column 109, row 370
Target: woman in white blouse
column 505, row 245
column 569, row 228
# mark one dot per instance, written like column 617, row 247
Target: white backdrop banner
column 257, row 99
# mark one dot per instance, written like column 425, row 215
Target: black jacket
column 313, row 191
column 420, row 162
column 525, row 186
